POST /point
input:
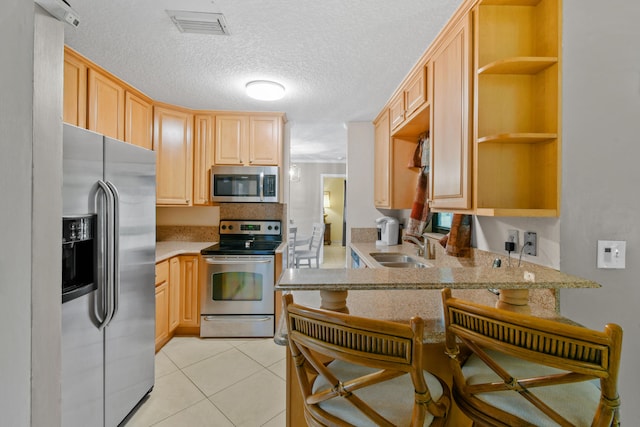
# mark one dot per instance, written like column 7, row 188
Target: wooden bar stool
column 375, row 375
column 518, row 370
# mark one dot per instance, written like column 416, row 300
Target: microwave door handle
column 116, row 247
column 262, row 186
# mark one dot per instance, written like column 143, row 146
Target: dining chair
column 291, row 246
column 515, row 369
column 304, row 257
column 354, row 371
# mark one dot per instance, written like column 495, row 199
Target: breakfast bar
column 397, row 294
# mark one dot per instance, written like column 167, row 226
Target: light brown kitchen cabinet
column 517, row 119
column 450, row 133
column 172, row 141
column 381, row 146
column 203, row 158
column 189, row 295
column 248, row 140
column 75, row 89
column 162, row 304
column 174, row 294
column 394, row 182
column 105, row 105
column 410, row 106
column 265, row 140
column 138, row 124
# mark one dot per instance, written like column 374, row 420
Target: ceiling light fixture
column 265, row 90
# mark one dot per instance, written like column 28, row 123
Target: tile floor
column 221, row 382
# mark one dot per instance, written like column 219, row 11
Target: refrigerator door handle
column 116, row 247
column 106, row 300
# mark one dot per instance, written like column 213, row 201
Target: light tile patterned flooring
column 221, row 382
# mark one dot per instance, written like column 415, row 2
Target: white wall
column 360, row 210
column 305, row 198
column 601, row 152
column 46, row 219
column 16, row 105
column 31, row 141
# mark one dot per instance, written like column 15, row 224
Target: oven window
column 237, row 286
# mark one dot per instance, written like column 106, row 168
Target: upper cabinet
column 451, row 109
column 394, row 180
column 172, row 141
column 105, row 105
column 517, row 132
column 248, row 139
column 203, row 157
column 488, row 92
column 138, row 122
column 75, row 90
column 410, row 106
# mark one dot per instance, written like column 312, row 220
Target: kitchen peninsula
column 397, row 294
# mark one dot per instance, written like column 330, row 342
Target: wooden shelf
column 521, row 138
column 519, row 65
column 510, row 2
column 539, row 213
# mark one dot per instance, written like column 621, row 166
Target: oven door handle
column 237, row 318
column 237, row 261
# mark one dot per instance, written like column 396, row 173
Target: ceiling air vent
column 199, row 22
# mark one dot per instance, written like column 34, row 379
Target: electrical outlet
column 513, row 237
column 531, row 243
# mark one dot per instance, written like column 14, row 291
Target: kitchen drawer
column 162, row 272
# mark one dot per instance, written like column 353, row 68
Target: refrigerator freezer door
column 130, row 336
column 82, row 342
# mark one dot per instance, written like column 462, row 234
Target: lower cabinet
column 189, row 295
column 177, row 298
column 162, row 304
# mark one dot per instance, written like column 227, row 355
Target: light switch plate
column 611, row 253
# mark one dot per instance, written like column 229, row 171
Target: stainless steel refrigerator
column 108, row 334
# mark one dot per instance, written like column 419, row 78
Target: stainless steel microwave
column 252, row 184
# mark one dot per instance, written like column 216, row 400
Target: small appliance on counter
column 387, row 231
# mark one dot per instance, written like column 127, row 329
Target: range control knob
column 277, row 228
column 269, row 227
column 224, row 227
column 231, row 227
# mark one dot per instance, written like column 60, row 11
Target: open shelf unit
column 516, row 113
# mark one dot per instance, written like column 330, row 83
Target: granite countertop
column 168, row 249
column 445, row 271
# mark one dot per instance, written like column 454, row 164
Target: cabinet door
column 396, row 110
column 450, row 136
column 174, row 293
column 189, row 296
column 138, row 125
column 106, row 105
column 231, row 135
column 203, row 158
column 416, row 91
column 75, row 91
column 162, row 314
column 381, row 177
column 265, row 140
column 174, row 162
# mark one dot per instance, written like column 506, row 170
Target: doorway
column 333, row 208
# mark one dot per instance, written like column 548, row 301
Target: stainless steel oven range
column 237, row 281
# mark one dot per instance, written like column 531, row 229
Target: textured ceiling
column 340, row 60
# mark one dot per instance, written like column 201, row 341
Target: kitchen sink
column 396, row 260
column 409, row 264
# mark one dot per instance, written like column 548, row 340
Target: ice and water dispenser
column 78, row 260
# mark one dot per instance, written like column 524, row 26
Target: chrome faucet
column 423, row 246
